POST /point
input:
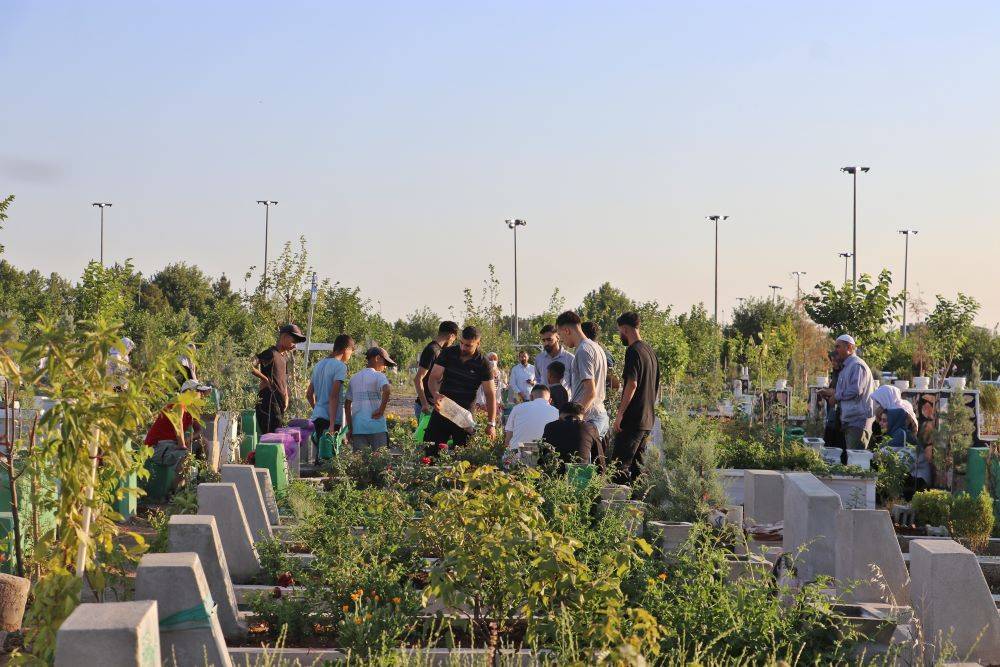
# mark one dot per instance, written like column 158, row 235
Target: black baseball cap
column 293, row 331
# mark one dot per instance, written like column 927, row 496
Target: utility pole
column 715, row 219
column 846, row 256
column 267, row 219
column 906, row 267
column 798, row 285
column 774, row 293
column 102, row 205
column 853, row 171
column 514, row 223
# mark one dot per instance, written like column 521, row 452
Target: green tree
column 184, row 287
column 704, row 341
column 603, row 306
column 950, row 324
column 107, row 293
column 865, row 311
column 755, row 316
column 421, row 325
column 4, row 205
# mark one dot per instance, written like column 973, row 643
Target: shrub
column 893, row 469
column 972, row 518
column 932, row 507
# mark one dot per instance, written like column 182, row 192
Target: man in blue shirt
column 326, row 387
column 853, row 394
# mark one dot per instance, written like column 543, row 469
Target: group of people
column 856, row 409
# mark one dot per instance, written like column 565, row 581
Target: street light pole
column 774, row 293
column 906, row 266
column 853, row 171
column 514, row 223
column 267, row 220
column 846, row 256
column 715, row 219
column 798, row 285
column 102, row 205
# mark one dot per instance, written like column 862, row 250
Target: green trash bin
column 580, row 474
column 248, row 423
column 161, row 480
column 271, row 455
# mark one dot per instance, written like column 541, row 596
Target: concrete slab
column 764, row 496
column 222, row 501
column 953, row 602
column 123, row 634
column 865, row 538
column 245, row 479
column 267, row 493
column 190, row 633
column 810, row 509
column 198, row 533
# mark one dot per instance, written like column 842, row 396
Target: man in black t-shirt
column 447, row 333
column 458, row 373
column 640, row 386
column 270, row 367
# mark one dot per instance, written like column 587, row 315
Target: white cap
column 190, row 385
column 846, row 338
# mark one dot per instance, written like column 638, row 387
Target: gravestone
column 810, row 509
column 245, row 479
column 222, row 501
column 267, row 492
column 122, row 634
column 197, row 533
column 866, row 538
column 764, row 496
column 189, row 626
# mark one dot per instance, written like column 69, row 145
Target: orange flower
column 395, row 600
column 375, row 597
column 357, row 621
column 345, row 608
column 663, row 576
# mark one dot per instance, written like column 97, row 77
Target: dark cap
column 380, row 352
column 293, row 331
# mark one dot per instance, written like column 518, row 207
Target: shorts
column 371, row 440
column 169, row 454
column 600, row 421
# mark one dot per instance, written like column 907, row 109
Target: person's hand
column 426, row 408
column 437, row 403
column 618, row 424
column 377, row 414
column 491, row 431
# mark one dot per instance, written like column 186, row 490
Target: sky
column 397, row 137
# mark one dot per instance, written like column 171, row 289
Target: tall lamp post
column 798, row 284
column 906, row 266
column 514, row 223
column 267, row 203
column 853, row 171
column 846, row 256
column 102, row 205
column 774, row 292
column 715, row 219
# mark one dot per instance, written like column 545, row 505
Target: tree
column 107, row 293
column 864, row 311
column 184, row 287
column 420, row 326
column 950, row 325
column 603, row 306
column 704, row 341
column 4, row 205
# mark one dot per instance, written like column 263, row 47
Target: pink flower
column 426, row 460
column 443, row 446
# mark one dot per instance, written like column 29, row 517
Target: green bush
column 893, row 469
column 972, row 518
column 932, row 507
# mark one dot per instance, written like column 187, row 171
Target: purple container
column 289, row 441
column 296, row 433
column 304, row 425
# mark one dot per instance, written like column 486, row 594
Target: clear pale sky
column 398, row 136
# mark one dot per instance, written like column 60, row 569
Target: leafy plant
column 972, row 518
column 953, row 437
column 950, row 324
column 932, row 507
column 893, row 469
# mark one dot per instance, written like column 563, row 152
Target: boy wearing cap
column 270, row 367
column 367, row 398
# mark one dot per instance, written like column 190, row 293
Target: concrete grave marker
column 197, row 533
column 245, row 479
column 811, row 509
column 866, row 538
column 223, row 502
column 764, row 496
column 189, row 626
column 267, row 492
column 123, row 634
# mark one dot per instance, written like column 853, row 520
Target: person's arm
column 434, row 384
column 491, row 407
column 255, row 370
column 628, row 391
column 508, row 430
column 385, row 402
column 333, row 401
column 418, row 383
column 587, row 394
column 311, row 395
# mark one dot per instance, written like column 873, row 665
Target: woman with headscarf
column 899, row 423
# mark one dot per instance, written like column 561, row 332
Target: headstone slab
column 177, row 583
column 810, row 509
column 123, row 634
column 197, row 533
column 222, row 501
column 764, row 496
column 267, row 492
column 245, row 479
column 865, row 538
column 952, row 600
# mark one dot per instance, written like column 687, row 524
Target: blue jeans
column 600, row 421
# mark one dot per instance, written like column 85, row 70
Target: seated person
column 169, row 448
column 554, row 375
column 573, row 439
column 899, row 423
column 527, row 420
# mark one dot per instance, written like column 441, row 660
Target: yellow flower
column 345, row 608
column 395, row 600
column 663, row 576
column 357, row 621
column 368, row 617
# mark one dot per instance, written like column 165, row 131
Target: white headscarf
column 889, row 397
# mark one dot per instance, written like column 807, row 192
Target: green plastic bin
column 248, row 423
column 271, row 455
column 580, row 474
column 161, row 480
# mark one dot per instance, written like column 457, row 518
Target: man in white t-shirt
column 527, row 420
column 367, row 398
column 522, row 377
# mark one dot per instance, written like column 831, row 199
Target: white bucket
column 956, row 383
column 921, row 382
column 902, row 384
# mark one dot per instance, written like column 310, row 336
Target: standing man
column 447, row 333
column 522, row 377
column 367, row 398
column 592, row 331
column 853, row 394
column 640, row 387
column 589, row 372
column 460, row 370
column 552, row 350
column 327, row 384
column 271, row 368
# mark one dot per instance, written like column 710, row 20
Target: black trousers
column 441, row 430
column 270, row 411
column 626, row 455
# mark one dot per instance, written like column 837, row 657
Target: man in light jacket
column 853, row 394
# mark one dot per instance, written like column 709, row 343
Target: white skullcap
column 846, row 338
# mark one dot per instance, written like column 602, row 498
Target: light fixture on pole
column 514, row 223
column 715, row 219
column 267, row 220
column 774, row 293
column 846, row 256
column 102, row 205
column 798, row 284
column 853, row 171
column 906, row 267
